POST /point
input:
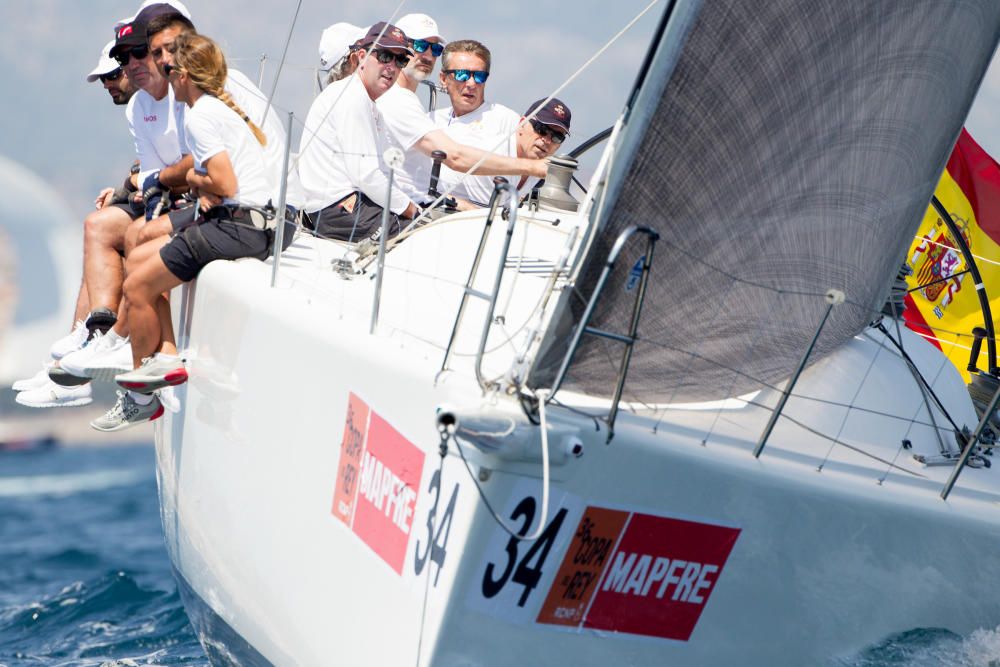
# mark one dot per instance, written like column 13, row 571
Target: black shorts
column 196, row 245
column 364, row 222
column 131, row 209
column 182, row 217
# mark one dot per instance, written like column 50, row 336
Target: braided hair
column 204, row 63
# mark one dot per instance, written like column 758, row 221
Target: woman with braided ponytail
column 229, row 180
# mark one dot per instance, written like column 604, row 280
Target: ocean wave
column 112, row 620
column 932, row 647
column 70, row 484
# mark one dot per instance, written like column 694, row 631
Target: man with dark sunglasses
column 112, row 77
column 471, row 120
column 541, row 136
column 413, row 132
column 341, row 168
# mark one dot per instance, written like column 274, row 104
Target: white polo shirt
column 341, row 149
column 407, row 122
column 212, row 128
column 158, row 129
column 491, row 127
column 253, row 102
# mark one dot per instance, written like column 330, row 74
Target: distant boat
column 580, row 435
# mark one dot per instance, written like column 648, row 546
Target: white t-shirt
column 341, row 149
column 485, row 128
column 158, row 128
column 211, row 128
column 407, row 123
column 253, row 102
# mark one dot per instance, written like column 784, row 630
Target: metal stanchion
column 394, row 160
column 279, row 214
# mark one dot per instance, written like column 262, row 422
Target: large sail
column 781, row 149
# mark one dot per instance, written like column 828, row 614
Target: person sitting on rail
column 229, row 178
column 340, row 156
column 412, row 131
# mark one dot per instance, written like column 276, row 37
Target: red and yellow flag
column 946, row 307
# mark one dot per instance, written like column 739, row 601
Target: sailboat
column 669, row 423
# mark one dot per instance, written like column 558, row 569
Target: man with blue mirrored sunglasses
column 413, row 132
column 473, row 121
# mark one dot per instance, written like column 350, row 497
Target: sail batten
column 780, row 149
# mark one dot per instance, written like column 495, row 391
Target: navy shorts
column 132, row 210
column 182, row 217
column 194, row 246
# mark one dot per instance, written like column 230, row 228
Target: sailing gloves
column 152, row 195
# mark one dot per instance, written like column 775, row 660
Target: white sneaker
column 156, row 372
column 70, row 342
column 55, row 396
column 36, row 381
column 101, row 359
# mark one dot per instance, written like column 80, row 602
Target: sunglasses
column 384, row 57
column 543, row 130
column 168, row 68
column 138, row 52
column 464, row 75
column 421, row 45
column 114, row 75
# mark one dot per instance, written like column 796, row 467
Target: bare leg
column 167, row 343
column 143, row 287
column 103, row 238
column 82, row 304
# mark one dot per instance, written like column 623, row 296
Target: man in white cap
column 112, row 77
column 411, row 130
column 337, row 56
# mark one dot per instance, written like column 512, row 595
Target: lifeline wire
column 281, row 64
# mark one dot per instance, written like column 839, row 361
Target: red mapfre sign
column 638, row 573
column 377, row 482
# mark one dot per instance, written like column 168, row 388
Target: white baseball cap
column 419, row 26
column 105, row 65
column 336, row 41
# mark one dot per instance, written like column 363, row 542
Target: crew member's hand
column 539, row 168
column 152, row 194
column 104, row 198
column 207, row 200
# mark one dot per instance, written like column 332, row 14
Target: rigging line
column 909, row 361
column 322, row 121
column 772, row 387
column 430, row 545
column 853, row 448
column 850, row 407
column 939, row 280
column 284, row 52
column 531, row 116
column 985, row 260
column 545, row 482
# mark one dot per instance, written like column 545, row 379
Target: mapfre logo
column 377, row 482
column 638, row 573
column 125, row 31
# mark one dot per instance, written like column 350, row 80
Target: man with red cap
column 340, row 165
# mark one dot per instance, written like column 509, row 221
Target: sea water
column 85, row 579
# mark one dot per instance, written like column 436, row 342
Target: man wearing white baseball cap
column 337, row 55
column 411, row 129
column 112, row 77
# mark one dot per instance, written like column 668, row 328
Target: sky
column 66, row 130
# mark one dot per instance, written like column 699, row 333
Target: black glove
column 152, row 194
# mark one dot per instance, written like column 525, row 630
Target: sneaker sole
column 171, row 379
column 106, row 373
column 64, row 379
column 72, row 403
column 124, row 425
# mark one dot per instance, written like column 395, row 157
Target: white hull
column 262, row 530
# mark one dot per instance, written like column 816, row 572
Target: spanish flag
column 942, row 305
